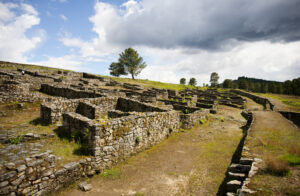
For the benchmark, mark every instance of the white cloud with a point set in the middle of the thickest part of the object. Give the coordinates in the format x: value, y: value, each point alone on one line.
x: 14, y: 43
x: 181, y: 41
x: 66, y: 62
x: 63, y: 17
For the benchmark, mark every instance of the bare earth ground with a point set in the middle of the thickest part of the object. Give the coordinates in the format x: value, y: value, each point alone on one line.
x: 272, y: 135
x: 192, y: 162
x: 252, y: 105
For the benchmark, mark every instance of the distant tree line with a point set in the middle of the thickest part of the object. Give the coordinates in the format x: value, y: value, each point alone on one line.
x: 289, y: 87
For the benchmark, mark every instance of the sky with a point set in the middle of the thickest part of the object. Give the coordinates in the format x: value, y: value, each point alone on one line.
x: 190, y: 38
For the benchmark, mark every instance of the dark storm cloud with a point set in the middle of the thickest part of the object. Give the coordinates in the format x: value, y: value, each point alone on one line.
x: 206, y: 24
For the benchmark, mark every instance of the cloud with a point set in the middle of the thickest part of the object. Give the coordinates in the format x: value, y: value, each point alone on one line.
x: 70, y: 62
x: 15, y: 21
x: 63, y: 17
x: 202, y: 24
x: 194, y: 38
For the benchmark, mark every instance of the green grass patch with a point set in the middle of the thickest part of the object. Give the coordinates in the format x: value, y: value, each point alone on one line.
x: 113, y: 173
x: 293, y: 101
x: 291, y: 159
x: 154, y: 84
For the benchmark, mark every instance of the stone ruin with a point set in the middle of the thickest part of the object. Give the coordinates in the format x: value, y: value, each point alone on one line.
x: 117, y: 120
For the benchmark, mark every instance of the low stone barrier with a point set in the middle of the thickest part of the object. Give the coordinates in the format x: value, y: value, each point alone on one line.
x: 240, y: 172
x: 51, y: 112
x: 265, y: 102
x: 68, y: 92
x: 187, y: 121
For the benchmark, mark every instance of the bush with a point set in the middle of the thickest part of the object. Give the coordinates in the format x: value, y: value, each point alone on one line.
x: 277, y: 166
x: 16, y: 140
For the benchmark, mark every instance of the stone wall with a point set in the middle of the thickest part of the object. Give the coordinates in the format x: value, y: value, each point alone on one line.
x: 265, y: 102
x: 116, y: 139
x: 240, y: 171
x: 68, y: 92
x: 51, y: 112
x: 190, y: 120
x: 39, y: 174
x: 126, y: 105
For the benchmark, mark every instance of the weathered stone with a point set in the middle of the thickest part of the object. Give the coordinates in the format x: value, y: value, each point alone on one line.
x: 60, y: 172
x: 18, y: 181
x: 51, y: 158
x: 34, y: 163
x: 47, y: 172
x: 10, y: 166
x: 21, y: 168
x: 71, y: 166
x: 8, y: 175
x: 84, y: 186
x: 233, y: 185
x: 3, y: 184
x: 29, y: 170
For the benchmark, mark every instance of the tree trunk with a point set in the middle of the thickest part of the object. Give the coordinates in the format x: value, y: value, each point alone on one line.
x: 132, y: 76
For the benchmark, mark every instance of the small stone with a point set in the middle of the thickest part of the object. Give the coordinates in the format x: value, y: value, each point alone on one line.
x: 29, y: 170
x: 3, y: 184
x: 21, y: 168
x: 84, y: 186
x: 233, y: 185
x: 7, y: 175
x: 10, y: 166
x: 29, y: 135
x: 71, y: 166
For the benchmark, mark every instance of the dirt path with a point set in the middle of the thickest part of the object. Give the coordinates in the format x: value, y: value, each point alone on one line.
x: 193, y: 162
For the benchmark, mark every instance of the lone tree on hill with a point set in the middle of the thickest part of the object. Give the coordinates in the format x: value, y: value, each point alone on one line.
x: 193, y: 82
x: 214, y: 77
x: 182, y: 81
x: 129, y: 63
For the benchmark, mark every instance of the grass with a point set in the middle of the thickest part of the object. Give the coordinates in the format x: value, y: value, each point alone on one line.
x: 28, y: 120
x: 276, y: 166
x: 154, y: 84
x: 291, y: 159
x: 15, y: 66
x: 274, y: 140
x: 113, y: 173
x: 292, y: 101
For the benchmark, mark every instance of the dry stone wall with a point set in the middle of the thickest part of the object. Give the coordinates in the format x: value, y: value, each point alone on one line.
x: 68, y: 92
x: 265, y: 102
x: 190, y: 120
x: 117, y: 139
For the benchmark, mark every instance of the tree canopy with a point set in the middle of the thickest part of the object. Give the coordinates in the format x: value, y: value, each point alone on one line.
x: 182, y: 81
x: 214, y: 77
x: 193, y: 82
x: 129, y: 63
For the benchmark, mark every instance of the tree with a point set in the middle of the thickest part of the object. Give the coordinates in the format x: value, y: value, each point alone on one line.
x: 182, y: 81
x: 243, y: 84
x: 214, y: 77
x: 228, y: 83
x: 193, y: 82
x: 129, y: 63
x: 257, y: 87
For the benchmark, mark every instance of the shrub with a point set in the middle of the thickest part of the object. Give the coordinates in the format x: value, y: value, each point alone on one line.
x: 202, y: 121
x: 138, y: 139
x: 277, y: 166
x: 16, y: 140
